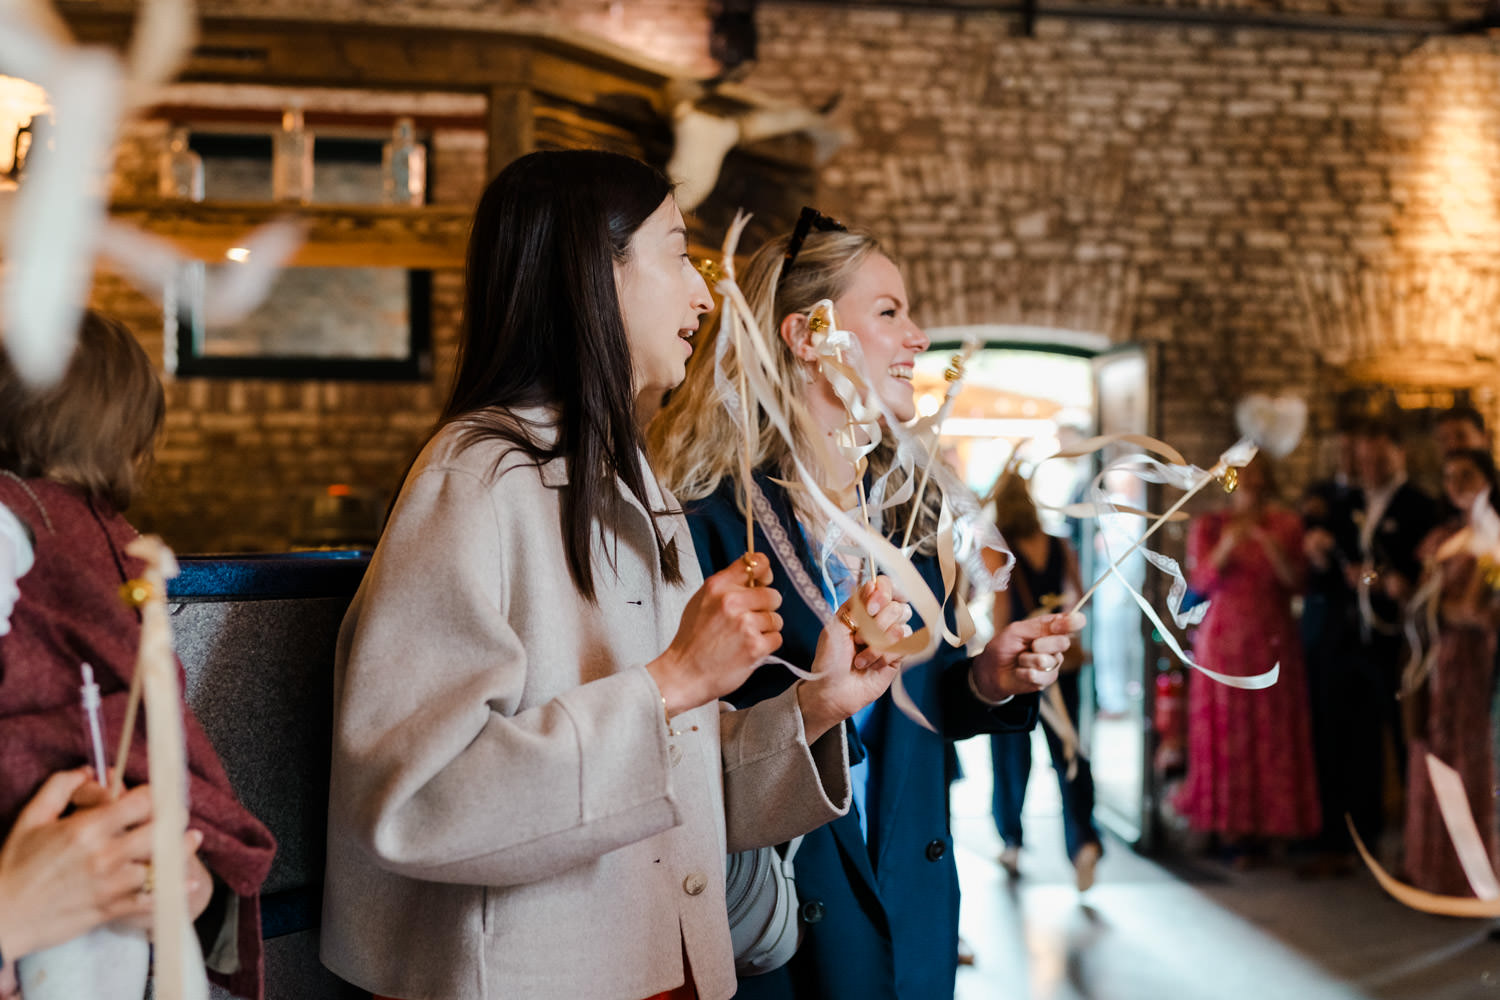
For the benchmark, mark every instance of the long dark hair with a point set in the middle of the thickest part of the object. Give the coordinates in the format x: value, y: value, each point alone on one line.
x: 1484, y: 464
x: 542, y: 327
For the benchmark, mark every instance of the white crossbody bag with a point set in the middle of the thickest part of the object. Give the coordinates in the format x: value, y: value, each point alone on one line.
x: 761, y: 896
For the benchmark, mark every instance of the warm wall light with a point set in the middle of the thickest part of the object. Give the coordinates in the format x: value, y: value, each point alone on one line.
x: 20, y: 102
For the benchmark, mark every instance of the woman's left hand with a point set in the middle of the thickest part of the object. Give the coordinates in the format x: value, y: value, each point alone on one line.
x: 1025, y: 656
x: 850, y: 674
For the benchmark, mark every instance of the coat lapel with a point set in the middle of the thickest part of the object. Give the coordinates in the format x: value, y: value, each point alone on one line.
x: 846, y: 829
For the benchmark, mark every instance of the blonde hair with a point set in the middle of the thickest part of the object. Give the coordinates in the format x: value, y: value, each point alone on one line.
x: 694, y: 442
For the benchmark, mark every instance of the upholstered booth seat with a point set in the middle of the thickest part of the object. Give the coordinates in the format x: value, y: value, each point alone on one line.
x: 256, y: 636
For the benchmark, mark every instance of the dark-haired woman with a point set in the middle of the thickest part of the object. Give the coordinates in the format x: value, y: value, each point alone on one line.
x: 533, y: 787
x: 1456, y: 726
x: 69, y: 458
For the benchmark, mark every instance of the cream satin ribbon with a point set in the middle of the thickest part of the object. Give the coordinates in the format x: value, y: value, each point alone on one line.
x: 177, y: 961
x: 1473, y: 856
x: 58, y: 221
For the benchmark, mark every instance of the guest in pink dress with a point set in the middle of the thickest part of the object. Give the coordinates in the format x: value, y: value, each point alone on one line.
x: 1455, y: 726
x: 1250, y: 765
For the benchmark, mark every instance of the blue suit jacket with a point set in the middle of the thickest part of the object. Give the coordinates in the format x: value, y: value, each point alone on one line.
x: 879, y: 921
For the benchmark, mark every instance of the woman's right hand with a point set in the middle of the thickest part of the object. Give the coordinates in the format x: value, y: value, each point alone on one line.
x: 727, y: 628
x: 61, y: 877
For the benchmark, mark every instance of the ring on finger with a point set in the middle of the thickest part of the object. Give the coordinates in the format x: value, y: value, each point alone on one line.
x: 749, y: 560
x: 848, y: 620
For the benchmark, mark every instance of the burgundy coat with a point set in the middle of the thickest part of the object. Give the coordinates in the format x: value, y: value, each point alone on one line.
x: 70, y: 612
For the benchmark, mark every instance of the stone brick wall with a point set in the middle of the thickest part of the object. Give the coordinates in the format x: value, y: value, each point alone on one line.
x: 670, y: 31
x: 1275, y: 209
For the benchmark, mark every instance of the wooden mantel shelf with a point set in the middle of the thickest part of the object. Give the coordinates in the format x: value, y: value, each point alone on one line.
x: 337, y: 235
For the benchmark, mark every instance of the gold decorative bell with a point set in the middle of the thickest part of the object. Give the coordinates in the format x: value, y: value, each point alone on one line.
x: 955, y: 370
x: 137, y: 592
x: 710, y: 269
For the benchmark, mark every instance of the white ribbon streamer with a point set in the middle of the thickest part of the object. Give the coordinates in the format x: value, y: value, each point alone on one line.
x: 1192, y: 479
x: 1473, y: 855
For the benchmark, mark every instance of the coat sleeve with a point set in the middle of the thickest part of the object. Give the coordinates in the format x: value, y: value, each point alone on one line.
x: 438, y: 774
x: 776, y: 786
x: 964, y: 715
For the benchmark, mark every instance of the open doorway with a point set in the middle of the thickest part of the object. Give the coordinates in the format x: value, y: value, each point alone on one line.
x: 1027, y: 393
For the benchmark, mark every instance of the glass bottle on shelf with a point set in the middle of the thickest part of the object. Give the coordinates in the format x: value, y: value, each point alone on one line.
x: 179, y: 170
x: 403, y: 167
x: 292, y: 159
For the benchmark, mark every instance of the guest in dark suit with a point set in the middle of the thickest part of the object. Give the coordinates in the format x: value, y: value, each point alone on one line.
x: 879, y: 887
x: 1393, y: 521
x: 1345, y: 697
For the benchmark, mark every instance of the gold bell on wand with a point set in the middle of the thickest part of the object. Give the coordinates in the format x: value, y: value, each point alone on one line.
x: 136, y: 593
x: 1229, y: 479
x: 710, y: 269
x: 955, y: 370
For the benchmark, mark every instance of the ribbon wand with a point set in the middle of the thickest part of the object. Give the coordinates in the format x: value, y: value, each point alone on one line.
x: 954, y: 375
x: 712, y: 273
x: 1224, y: 471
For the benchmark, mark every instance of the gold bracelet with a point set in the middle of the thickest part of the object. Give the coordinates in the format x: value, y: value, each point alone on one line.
x: 668, y: 717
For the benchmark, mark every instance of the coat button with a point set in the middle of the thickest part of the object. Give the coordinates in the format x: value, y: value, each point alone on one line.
x: 936, y: 849
x: 694, y: 884
x: 674, y: 754
x: 812, y: 911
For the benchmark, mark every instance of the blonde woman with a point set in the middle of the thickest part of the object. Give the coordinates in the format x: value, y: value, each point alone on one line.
x: 879, y: 887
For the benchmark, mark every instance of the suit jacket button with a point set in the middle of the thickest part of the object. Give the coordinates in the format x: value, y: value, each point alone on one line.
x: 935, y: 850
x: 694, y: 884
x: 812, y: 911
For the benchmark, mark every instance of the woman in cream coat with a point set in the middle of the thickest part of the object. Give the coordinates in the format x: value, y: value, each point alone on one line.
x: 533, y: 785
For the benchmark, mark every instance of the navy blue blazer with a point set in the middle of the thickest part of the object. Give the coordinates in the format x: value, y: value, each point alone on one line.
x: 879, y: 921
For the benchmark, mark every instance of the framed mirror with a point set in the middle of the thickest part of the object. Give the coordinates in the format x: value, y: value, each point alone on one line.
x: 327, y: 322
x: 317, y: 322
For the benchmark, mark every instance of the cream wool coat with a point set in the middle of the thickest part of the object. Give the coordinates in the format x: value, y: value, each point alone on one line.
x: 508, y: 814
